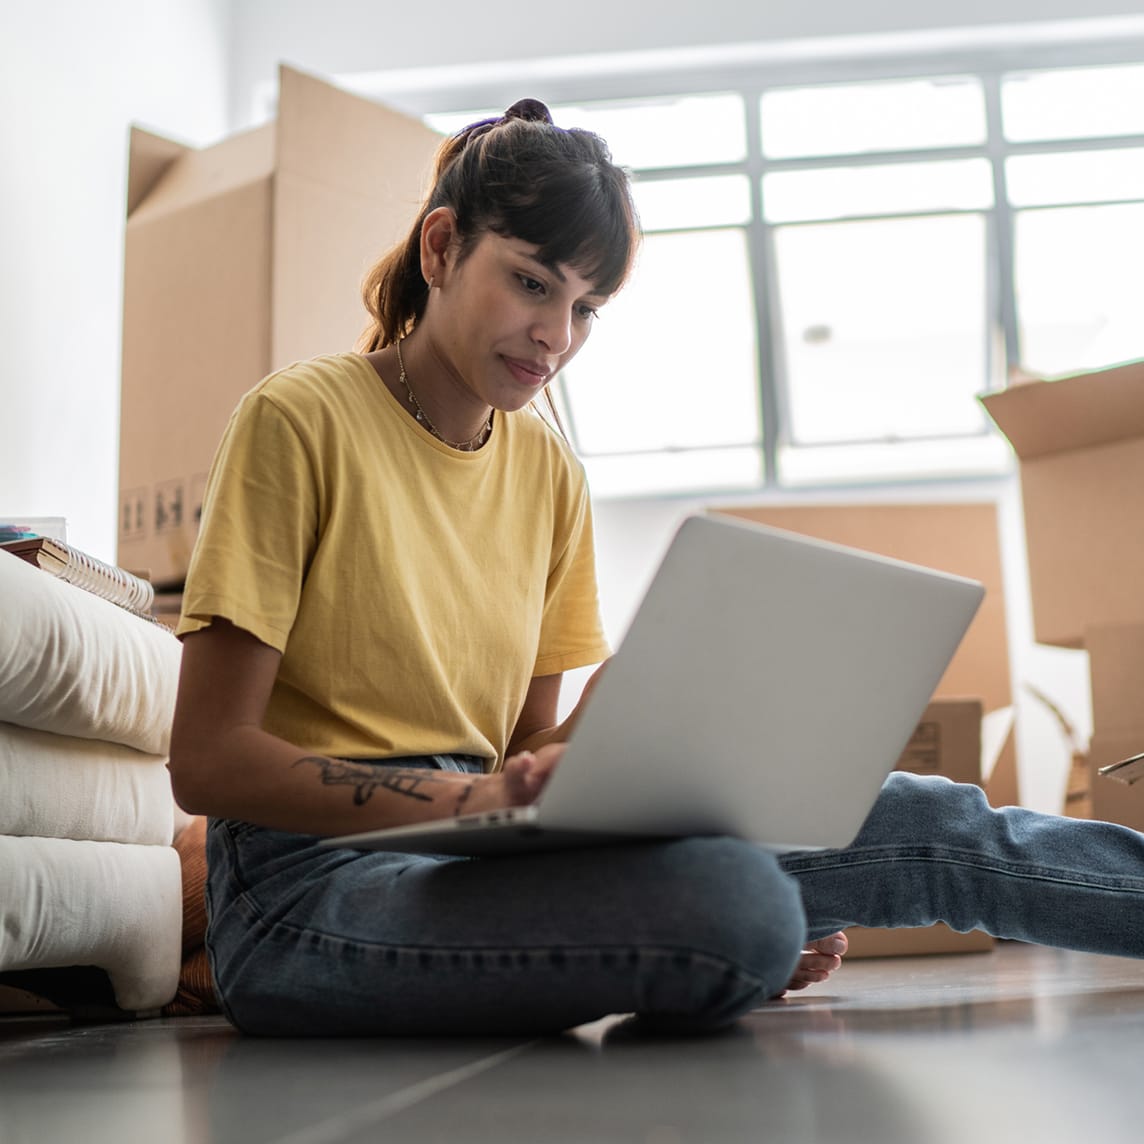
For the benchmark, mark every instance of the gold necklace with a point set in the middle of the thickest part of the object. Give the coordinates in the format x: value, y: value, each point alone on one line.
x: 469, y: 446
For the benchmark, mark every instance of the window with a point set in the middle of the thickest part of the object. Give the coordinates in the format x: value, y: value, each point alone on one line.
x: 833, y: 271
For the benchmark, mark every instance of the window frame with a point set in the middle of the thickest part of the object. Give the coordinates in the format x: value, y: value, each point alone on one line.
x: 988, y: 62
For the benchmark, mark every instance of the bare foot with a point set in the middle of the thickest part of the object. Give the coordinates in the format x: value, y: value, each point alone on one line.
x: 819, y: 960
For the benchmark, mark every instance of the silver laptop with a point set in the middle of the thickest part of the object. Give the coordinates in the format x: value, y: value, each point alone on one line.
x: 765, y: 688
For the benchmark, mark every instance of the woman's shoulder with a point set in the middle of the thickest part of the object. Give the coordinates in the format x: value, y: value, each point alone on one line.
x: 313, y: 382
x: 546, y: 448
x: 311, y: 394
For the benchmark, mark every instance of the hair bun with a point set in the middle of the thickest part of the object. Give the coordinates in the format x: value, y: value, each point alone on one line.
x: 530, y: 110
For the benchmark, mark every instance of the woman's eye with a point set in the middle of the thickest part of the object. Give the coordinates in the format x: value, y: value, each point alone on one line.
x: 532, y: 285
x: 587, y: 313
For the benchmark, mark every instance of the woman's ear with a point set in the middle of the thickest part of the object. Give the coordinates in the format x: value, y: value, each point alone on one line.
x: 438, y: 239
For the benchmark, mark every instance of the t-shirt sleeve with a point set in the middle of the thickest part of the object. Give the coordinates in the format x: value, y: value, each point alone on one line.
x: 259, y: 526
x: 572, y: 632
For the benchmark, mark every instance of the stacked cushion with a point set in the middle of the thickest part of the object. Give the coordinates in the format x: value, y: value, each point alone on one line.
x: 88, y: 874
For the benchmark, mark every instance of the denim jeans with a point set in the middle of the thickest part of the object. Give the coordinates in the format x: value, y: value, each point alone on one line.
x: 689, y: 934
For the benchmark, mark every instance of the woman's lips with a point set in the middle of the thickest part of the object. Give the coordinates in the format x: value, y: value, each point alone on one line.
x: 532, y: 374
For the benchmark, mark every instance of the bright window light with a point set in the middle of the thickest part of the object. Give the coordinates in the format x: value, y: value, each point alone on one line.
x: 883, y: 328
x: 674, y: 204
x: 875, y: 267
x: 1076, y: 177
x: 1080, y: 289
x: 892, y: 188
x: 1073, y: 103
x: 671, y: 362
x: 682, y: 131
x: 849, y: 119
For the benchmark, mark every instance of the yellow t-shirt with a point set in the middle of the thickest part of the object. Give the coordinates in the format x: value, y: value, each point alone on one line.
x: 413, y: 590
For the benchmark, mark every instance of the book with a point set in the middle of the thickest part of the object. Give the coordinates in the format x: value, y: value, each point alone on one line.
x: 74, y: 566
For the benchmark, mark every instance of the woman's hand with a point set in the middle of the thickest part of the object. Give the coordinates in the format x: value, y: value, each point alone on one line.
x: 527, y: 773
x: 518, y: 783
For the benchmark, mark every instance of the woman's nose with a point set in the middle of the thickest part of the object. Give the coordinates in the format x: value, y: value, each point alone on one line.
x: 554, y: 331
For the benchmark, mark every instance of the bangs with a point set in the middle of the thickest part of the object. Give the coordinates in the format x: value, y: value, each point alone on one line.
x: 596, y: 235
x: 582, y: 216
x: 555, y: 189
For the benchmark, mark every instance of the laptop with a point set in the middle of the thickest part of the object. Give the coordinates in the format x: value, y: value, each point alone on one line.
x: 766, y: 686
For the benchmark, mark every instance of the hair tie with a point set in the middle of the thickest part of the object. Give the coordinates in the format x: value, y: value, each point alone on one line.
x: 530, y: 110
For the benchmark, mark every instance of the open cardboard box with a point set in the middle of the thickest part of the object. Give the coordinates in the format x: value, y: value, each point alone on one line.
x: 1116, y: 674
x: 962, y: 538
x: 1080, y: 442
x: 1114, y: 801
x: 241, y: 258
x: 956, y: 740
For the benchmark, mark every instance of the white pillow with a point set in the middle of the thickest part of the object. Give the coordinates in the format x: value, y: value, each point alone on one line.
x: 58, y: 786
x: 77, y: 665
x: 108, y: 904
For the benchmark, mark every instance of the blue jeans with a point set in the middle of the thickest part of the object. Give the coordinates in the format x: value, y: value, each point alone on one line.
x: 689, y: 934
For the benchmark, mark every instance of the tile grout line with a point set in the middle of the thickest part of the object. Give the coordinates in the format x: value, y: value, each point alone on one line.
x: 335, y: 1130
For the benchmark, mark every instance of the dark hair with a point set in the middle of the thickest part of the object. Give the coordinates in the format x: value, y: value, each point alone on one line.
x: 522, y: 177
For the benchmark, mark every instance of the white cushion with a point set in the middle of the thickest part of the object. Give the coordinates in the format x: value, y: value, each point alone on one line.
x: 107, y: 904
x: 58, y: 786
x: 77, y: 665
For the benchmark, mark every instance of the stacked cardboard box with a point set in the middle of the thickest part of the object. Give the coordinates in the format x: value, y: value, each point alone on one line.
x: 1080, y: 443
x: 965, y: 733
x: 241, y: 258
x: 1116, y: 663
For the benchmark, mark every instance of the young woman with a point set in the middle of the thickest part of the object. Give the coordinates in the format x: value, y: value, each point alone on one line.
x: 395, y: 568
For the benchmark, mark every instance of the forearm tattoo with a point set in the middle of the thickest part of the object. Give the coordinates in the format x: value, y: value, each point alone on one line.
x: 463, y: 798
x: 365, y: 778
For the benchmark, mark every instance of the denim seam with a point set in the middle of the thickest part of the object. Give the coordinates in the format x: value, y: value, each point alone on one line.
x: 967, y: 858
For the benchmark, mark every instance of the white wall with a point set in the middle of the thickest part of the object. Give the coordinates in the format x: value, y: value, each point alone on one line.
x: 73, y: 75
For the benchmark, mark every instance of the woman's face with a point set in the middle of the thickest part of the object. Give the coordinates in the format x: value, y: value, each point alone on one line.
x: 505, y: 323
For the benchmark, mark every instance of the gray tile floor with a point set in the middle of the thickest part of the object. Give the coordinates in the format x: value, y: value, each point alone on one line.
x: 1023, y: 1044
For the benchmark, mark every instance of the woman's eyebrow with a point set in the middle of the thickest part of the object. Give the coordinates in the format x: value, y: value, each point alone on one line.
x: 553, y: 268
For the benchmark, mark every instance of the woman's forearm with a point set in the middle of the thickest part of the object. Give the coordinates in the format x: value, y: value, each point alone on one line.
x: 249, y: 774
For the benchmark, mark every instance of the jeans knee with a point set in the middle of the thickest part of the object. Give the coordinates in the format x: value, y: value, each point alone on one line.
x: 924, y: 809
x: 742, y: 919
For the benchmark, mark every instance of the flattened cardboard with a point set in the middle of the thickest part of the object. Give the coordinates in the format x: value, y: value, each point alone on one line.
x: 916, y: 942
x: 1116, y: 676
x: 1080, y: 442
x: 241, y: 258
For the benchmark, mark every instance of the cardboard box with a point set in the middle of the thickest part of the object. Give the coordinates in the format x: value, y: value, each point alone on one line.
x: 167, y: 608
x: 1116, y: 676
x: 1080, y: 442
x: 947, y: 741
x: 916, y: 942
x: 956, y: 739
x: 953, y: 739
x: 241, y: 258
x: 1114, y: 801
